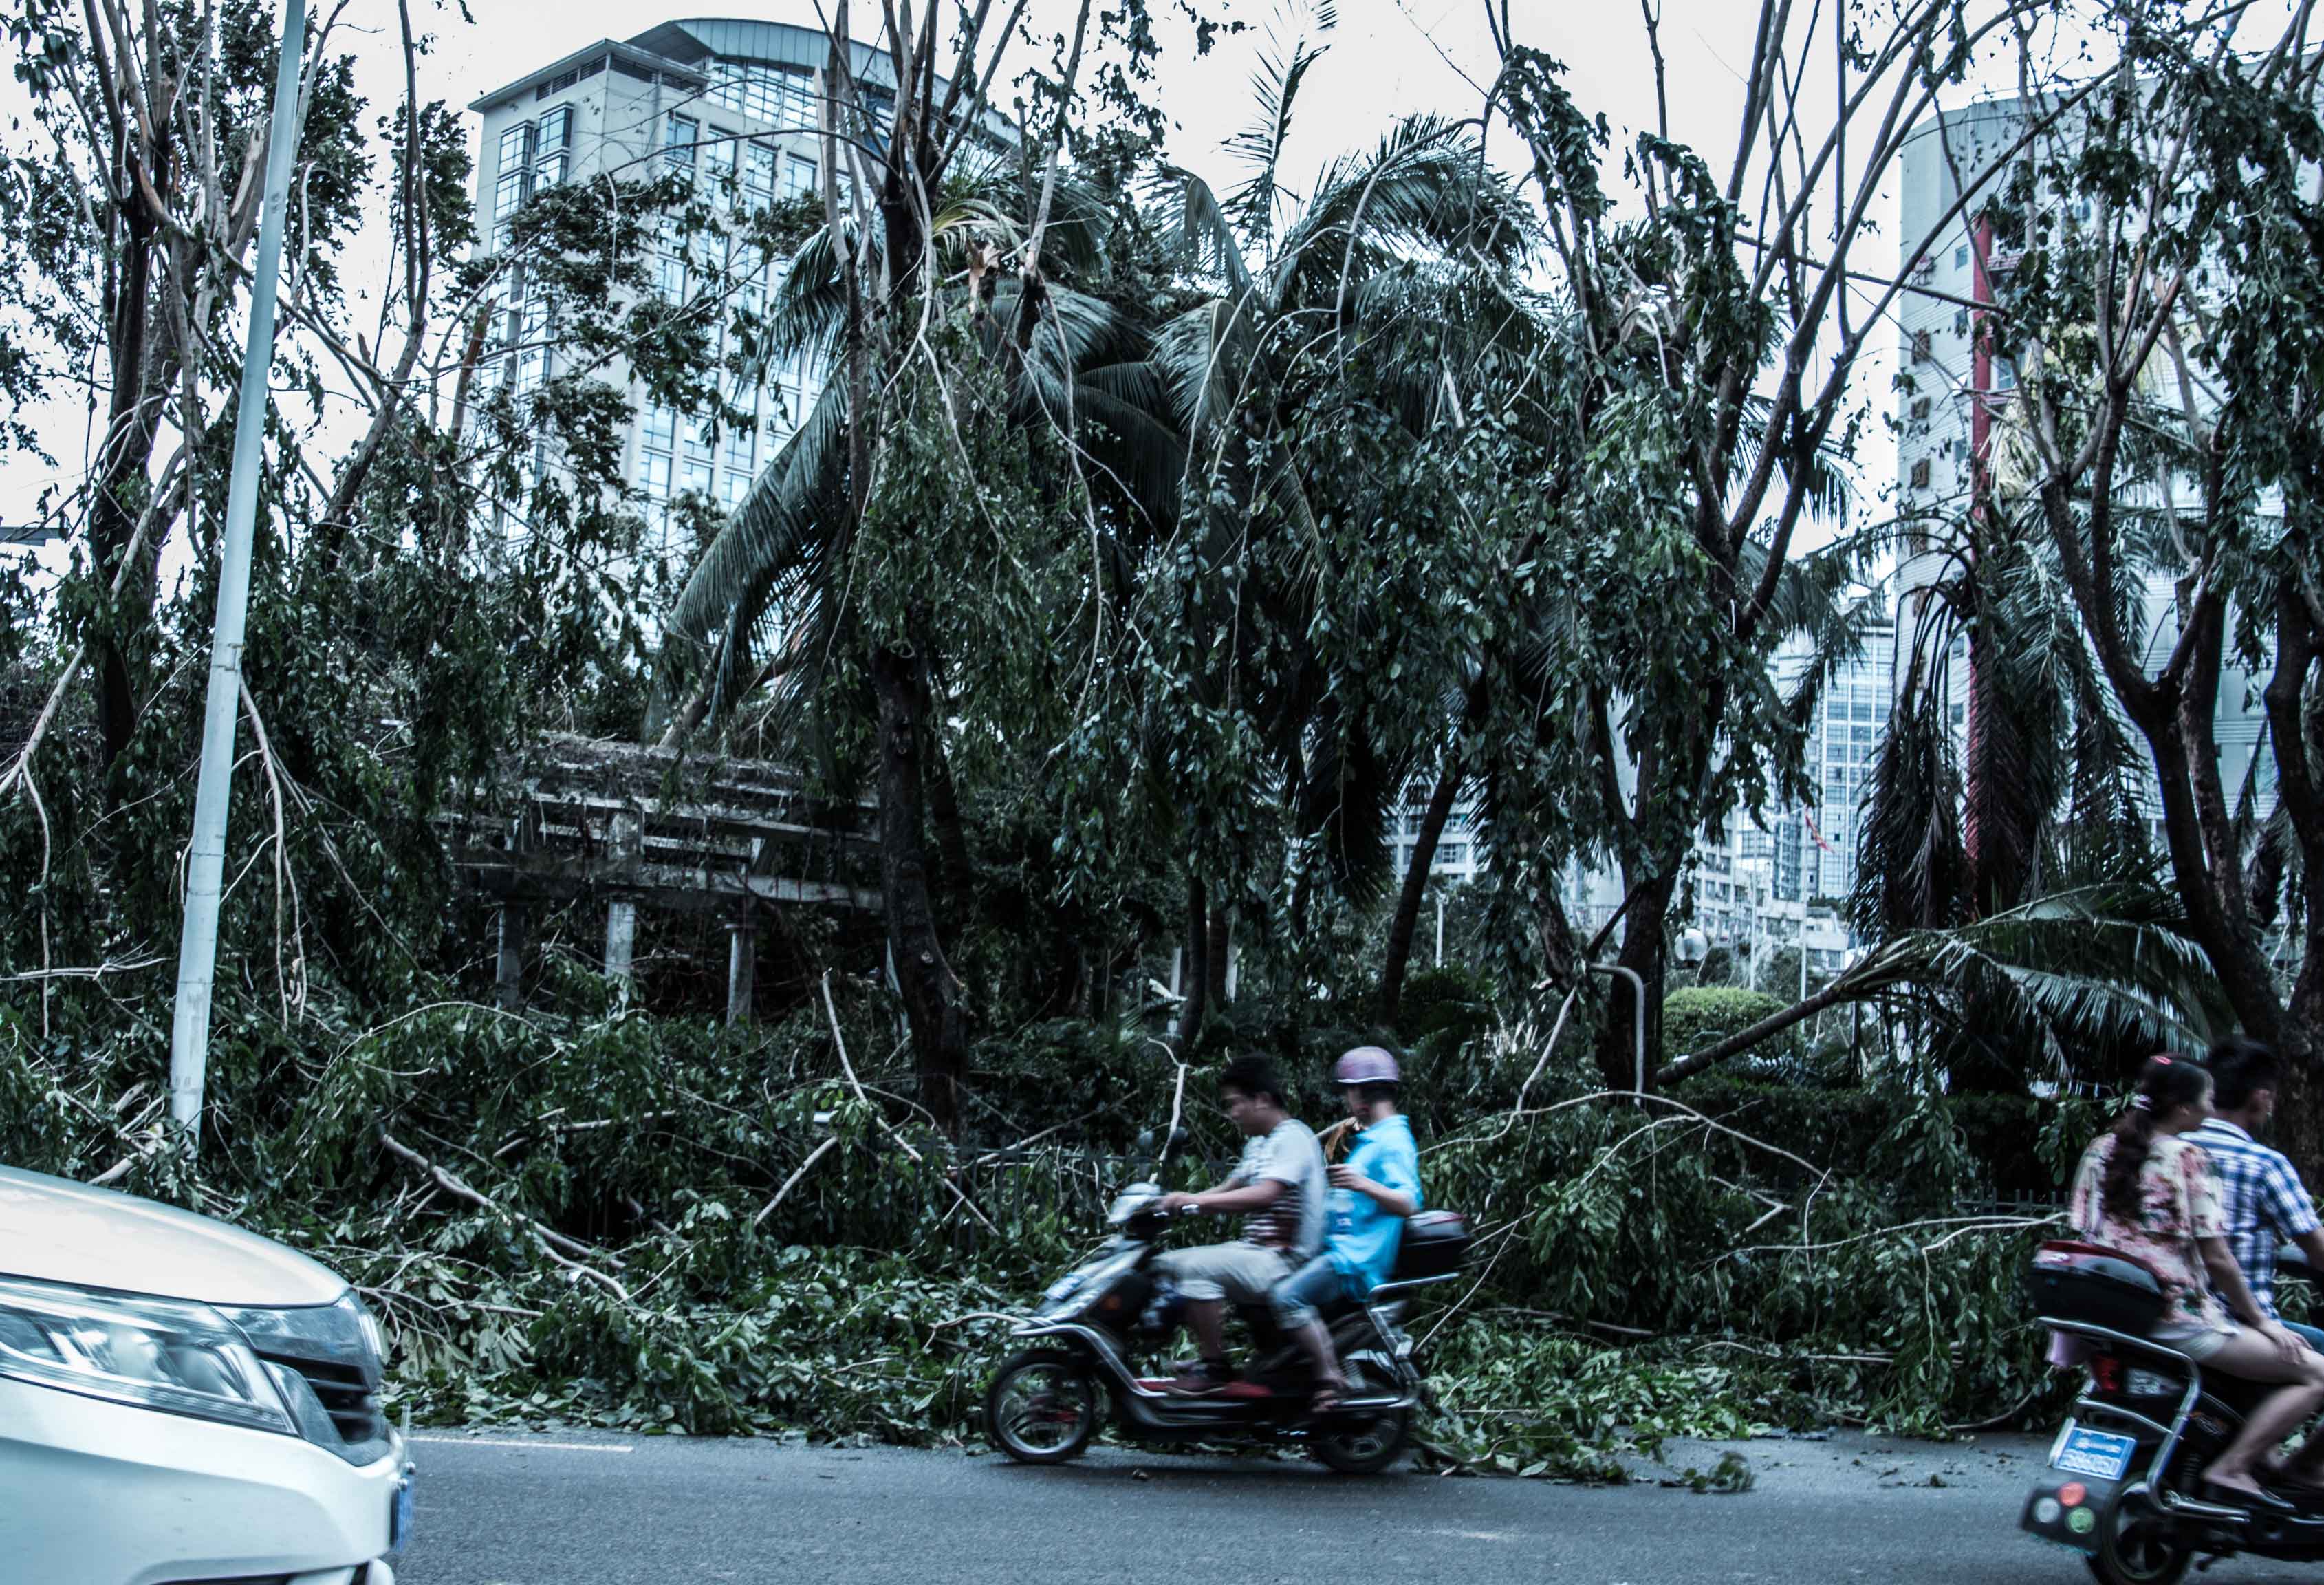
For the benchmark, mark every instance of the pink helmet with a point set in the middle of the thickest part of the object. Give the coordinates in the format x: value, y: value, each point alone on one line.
x: 1365, y: 1065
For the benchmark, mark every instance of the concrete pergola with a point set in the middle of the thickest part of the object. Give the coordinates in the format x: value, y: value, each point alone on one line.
x: 638, y: 827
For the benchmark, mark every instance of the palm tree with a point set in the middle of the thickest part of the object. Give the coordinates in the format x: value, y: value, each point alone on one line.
x: 1367, y: 305
x: 2035, y: 987
x: 924, y: 360
x: 2036, y: 794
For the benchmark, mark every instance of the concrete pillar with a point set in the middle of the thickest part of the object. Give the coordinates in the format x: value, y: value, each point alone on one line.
x: 741, y: 968
x: 620, y: 940
x: 508, y: 972
x: 628, y: 833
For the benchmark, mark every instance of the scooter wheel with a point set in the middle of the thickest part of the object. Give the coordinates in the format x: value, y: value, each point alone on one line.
x: 1042, y: 1407
x: 2136, y: 1545
x: 1364, y: 1447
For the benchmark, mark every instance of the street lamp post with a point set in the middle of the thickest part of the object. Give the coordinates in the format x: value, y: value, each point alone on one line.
x: 189, y: 1032
x: 1692, y: 947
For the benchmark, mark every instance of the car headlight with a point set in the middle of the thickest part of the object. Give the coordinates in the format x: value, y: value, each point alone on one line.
x: 153, y: 1353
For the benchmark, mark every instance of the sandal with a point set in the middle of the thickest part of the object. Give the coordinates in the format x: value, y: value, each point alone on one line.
x: 2258, y: 1497
x: 1327, y: 1397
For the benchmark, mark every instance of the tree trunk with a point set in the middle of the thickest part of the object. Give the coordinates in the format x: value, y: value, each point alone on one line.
x: 1415, y: 887
x: 2298, y: 1130
x: 932, y: 1001
x: 1220, y: 944
x: 1743, y: 1040
x: 1197, y: 988
x: 956, y: 878
x: 126, y: 458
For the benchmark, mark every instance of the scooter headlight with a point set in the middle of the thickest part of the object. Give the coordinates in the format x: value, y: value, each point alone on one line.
x: 159, y: 1354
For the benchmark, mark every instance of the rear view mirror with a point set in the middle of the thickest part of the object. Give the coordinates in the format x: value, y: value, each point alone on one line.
x: 1175, y: 1143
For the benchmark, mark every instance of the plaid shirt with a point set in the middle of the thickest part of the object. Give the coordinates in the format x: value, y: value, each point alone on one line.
x: 2264, y: 1202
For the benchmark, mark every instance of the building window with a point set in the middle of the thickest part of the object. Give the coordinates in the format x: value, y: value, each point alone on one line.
x: 1921, y: 473
x: 556, y: 133
x: 799, y: 177
x: 758, y: 176
x: 695, y: 470
x: 781, y: 95
x: 1923, y: 348
x: 669, y: 260
x: 680, y: 134
x: 512, y: 185
x: 722, y: 164
x: 1960, y: 258
x: 551, y: 147
x: 1961, y: 322
x: 1920, y: 410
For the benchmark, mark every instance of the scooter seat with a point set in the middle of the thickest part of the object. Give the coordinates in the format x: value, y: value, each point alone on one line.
x: 1246, y: 1389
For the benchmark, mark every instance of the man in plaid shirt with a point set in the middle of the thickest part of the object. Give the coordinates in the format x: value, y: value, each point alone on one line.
x: 2265, y: 1203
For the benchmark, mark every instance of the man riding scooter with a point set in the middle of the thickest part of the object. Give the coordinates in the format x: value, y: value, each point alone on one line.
x: 2263, y: 1205
x: 1372, y: 1191
x: 1279, y: 1189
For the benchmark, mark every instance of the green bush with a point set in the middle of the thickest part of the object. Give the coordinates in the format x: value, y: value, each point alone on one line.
x: 1693, y: 1016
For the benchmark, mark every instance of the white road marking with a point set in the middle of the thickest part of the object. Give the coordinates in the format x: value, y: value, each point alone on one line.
x: 511, y: 1442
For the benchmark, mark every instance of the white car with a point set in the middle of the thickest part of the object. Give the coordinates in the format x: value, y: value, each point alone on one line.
x: 183, y: 1403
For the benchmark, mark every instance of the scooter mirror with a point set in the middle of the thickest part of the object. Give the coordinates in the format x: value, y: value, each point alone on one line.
x: 1145, y: 1140
x: 1176, y: 1142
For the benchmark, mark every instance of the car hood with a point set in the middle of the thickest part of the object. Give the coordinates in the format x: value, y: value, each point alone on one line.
x: 53, y: 1230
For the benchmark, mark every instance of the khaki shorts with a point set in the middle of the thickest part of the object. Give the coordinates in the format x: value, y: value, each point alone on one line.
x: 1245, y: 1273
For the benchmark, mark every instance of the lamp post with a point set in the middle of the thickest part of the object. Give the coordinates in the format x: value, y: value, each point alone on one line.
x: 1855, y: 1019
x: 1691, y: 949
x: 189, y: 1032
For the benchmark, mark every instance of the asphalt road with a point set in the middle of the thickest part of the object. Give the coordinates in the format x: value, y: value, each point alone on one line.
x: 570, y: 1507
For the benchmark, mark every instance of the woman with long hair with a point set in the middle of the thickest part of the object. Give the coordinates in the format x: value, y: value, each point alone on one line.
x: 2148, y: 1192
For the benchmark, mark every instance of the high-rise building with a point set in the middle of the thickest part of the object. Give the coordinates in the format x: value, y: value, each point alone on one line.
x: 1955, y: 413
x: 736, y: 107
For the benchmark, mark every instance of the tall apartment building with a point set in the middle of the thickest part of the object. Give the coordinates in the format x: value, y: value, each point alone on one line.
x: 734, y: 105
x: 1955, y: 406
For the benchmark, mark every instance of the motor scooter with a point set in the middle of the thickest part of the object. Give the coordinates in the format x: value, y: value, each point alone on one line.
x: 1046, y: 1400
x: 2123, y: 1481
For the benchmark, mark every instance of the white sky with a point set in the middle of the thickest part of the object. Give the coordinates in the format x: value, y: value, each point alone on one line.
x: 1386, y: 58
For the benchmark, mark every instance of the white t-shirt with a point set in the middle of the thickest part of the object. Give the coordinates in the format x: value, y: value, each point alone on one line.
x: 1288, y: 1155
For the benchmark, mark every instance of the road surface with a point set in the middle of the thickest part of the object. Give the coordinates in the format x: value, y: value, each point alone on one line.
x: 555, y: 1509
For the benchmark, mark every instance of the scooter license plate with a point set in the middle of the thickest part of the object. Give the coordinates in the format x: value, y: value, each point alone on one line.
x: 2095, y: 1455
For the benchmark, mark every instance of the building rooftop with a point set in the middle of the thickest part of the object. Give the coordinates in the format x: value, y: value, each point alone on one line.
x: 680, y: 50
x: 627, y: 53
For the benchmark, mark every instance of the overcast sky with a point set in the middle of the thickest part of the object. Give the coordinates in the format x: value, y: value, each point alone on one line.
x: 1385, y: 58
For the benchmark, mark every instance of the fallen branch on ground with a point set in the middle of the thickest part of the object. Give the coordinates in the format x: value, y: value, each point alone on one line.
x: 566, y: 1252
x: 791, y: 1182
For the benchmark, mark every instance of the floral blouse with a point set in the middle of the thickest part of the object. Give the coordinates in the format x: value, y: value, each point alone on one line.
x: 2179, y: 1202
